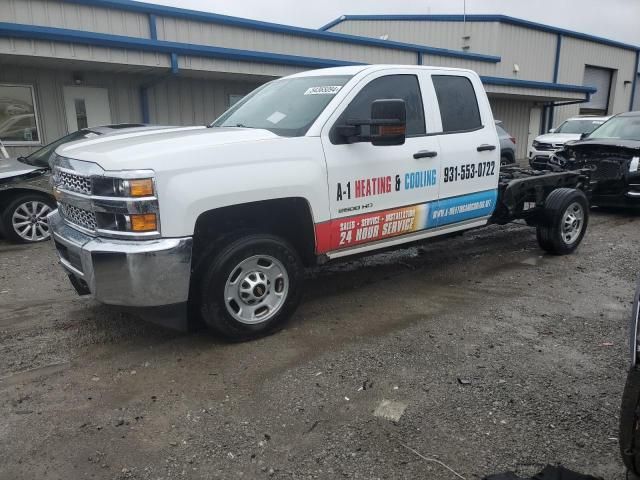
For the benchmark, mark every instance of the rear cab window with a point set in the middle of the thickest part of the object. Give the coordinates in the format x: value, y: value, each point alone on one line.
x: 459, y: 111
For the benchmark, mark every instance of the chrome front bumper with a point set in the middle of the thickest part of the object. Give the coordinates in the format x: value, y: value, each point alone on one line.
x: 142, y: 273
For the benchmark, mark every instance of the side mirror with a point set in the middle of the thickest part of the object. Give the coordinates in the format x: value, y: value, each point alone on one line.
x: 552, y: 130
x: 387, y: 125
x: 388, y: 122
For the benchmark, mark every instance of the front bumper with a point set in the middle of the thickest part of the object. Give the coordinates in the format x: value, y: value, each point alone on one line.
x: 140, y: 273
x: 539, y: 159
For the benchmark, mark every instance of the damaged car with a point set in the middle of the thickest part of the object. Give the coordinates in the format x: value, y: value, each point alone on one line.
x: 612, y: 153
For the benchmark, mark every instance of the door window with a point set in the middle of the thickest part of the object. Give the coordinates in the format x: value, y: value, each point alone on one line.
x: 405, y: 87
x: 459, y: 110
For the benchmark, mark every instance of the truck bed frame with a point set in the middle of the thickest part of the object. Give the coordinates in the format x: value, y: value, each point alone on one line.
x: 522, y: 192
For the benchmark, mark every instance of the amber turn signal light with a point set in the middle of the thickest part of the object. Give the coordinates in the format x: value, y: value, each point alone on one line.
x: 141, y: 187
x: 145, y: 222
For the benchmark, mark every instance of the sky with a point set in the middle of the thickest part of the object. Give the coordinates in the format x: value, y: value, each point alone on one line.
x: 614, y: 19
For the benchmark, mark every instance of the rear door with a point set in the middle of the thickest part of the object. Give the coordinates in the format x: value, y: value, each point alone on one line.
x: 377, y: 193
x: 469, y: 149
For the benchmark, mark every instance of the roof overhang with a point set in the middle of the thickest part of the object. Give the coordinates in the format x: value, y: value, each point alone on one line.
x: 536, y: 91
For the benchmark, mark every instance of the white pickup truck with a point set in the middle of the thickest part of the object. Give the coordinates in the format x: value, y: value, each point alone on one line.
x: 217, y: 223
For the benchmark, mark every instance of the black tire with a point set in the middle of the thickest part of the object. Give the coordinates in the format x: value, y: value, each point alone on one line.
x: 551, y: 237
x: 6, y: 216
x: 216, y: 311
x: 629, y: 433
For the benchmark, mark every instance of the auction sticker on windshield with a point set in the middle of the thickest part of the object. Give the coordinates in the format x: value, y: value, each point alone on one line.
x: 328, y: 90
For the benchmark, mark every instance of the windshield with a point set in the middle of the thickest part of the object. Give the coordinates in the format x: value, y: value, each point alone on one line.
x: 285, y: 107
x: 40, y: 158
x: 624, y: 128
x: 579, y: 126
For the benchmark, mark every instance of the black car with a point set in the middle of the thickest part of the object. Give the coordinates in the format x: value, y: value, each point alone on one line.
x: 612, y: 153
x: 25, y: 194
x: 630, y: 410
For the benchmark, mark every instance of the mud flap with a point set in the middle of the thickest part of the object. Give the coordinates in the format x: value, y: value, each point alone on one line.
x: 80, y: 285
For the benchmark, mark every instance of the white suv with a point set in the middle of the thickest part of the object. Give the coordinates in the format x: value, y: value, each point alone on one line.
x: 571, y: 129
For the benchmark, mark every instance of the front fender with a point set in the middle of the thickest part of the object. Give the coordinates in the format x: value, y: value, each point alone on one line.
x: 240, y: 174
x: 37, y: 180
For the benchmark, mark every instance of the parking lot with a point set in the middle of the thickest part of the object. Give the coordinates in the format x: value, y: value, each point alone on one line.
x: 504, y: 359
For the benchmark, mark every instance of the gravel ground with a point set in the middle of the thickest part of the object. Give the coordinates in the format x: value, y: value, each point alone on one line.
x: 481, y: 352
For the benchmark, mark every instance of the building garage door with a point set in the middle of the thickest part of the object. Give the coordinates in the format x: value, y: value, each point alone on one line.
x: 601, y: 79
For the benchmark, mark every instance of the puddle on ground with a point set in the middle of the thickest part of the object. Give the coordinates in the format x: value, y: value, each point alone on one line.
x: 533, y: 261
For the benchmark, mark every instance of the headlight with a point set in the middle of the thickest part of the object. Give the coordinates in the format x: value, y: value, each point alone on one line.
x: 535, y: 144
x: 122, y: 187
x: 107, y: 203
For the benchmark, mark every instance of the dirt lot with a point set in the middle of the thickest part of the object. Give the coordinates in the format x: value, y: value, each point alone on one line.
x: 504, y: 359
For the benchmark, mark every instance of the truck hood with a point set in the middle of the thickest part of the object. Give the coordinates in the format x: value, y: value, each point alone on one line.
x: 12, y: 168
x: 557, y: 138
x: 152, y: 149
x: 610, y: 144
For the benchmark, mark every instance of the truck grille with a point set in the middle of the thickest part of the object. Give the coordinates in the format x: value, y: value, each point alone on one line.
x: 78, y: 216
x: 544, y: 147
x: 75, y: 183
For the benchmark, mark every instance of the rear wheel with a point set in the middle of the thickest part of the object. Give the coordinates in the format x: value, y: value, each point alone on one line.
x: 24, y: 220
x: 250, y: 287
x: 566, y: 214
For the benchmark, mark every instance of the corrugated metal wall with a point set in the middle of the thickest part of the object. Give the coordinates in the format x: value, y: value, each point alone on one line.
x: 515, y: 119
x: 189, y: 101
x: 172, y: 101
x: 435, y: 34
x: 56, y: 13
x: 200, y: 33
x: 636, y: 99
x: 124, y: 100
x: 575, y: 54
x: 532, y: 50
x: 87, y: 53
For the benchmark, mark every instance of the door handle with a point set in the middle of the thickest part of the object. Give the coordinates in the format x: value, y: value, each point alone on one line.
x: 425, y: 154
x: 486, y: 148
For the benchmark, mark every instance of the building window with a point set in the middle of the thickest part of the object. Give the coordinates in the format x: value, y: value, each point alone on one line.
x: 18, y: 116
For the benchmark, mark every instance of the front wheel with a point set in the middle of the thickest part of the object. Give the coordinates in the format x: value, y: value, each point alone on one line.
x: 251, y: 287
x: 566, y: 216
x: 24, y: 220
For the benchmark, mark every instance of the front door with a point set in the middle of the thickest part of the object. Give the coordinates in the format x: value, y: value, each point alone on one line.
x: 379, y: 192
x: 86, y: 107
